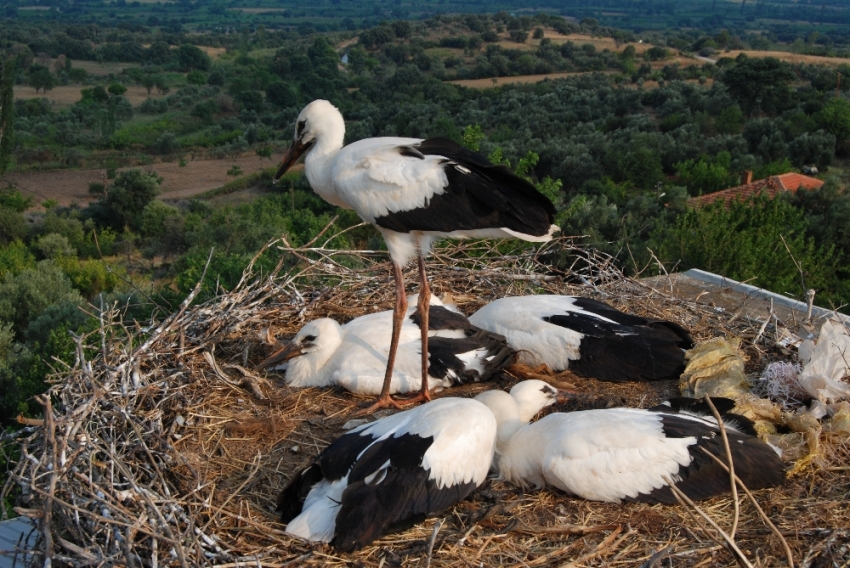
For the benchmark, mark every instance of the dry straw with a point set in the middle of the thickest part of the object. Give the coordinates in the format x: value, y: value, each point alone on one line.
x: 162, y: 447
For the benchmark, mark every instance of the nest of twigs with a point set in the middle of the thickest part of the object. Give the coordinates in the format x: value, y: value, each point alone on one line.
x: 163, y: 447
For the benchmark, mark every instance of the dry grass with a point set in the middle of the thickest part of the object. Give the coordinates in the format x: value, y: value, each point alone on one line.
x: 790, y: 57
x: 161, y: 447
x: 64, y: 96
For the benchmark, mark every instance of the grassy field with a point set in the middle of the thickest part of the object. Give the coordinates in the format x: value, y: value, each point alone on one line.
x: 64, y: 96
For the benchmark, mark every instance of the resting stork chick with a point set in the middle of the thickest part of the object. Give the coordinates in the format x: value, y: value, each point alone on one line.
x: 588, y: 337
x: 625, y: 454
x: 414, y: 191
x: 354, y: 355
x: 391, y: 474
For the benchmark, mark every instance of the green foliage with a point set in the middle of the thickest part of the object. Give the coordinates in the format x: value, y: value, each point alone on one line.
x: 745, y: 242
x: 775, y: 168
x: 15, y: 200
x: 191, y: 57
x: 97, y: 188
x: 40, y: 78
x: 55, y: 246
x: 25, y: 296
x: 234, y: 171
x: 13, y: 226
x: 707, y: 175
x: 196, y: 77
x: 116, y: 89
x: 15, y: 257
x: 89, y: 277
x: 264, y: 152
x: 155, y: 218
x: 128, y: 196
x: 835, y: 118
x: 7, y: 110
x: 760, y: 84
x: 472, y: 137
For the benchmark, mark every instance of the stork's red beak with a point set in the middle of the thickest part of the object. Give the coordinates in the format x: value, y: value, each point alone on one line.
x: 296, y: 149
x: 285, y: 353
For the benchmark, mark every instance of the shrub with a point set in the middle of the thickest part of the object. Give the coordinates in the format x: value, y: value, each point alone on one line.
x: 54, y: 246
x: 25, y: 296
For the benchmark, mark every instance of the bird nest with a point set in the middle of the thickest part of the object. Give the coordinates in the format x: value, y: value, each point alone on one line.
x: 163, y: 447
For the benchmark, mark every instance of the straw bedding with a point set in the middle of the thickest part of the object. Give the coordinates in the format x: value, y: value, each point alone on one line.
x: 163, y: 447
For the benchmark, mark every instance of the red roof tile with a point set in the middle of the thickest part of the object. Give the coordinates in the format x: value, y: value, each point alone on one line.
x: 771, y: 187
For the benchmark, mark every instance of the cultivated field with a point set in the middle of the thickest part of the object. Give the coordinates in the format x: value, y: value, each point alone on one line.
x: 71, y: 186
x: 66, y: 95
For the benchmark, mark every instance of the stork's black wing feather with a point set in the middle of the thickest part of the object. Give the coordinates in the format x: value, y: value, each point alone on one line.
x: 390, y: 490
x: 756, y: 463
x: 480, y: 195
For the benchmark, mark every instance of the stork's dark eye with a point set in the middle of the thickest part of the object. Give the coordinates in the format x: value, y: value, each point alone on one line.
x: 310, y: 338
x: 301, y: 125
x: 549, y: 390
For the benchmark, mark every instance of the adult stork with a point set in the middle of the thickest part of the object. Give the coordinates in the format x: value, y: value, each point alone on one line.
x: 354, y: 355
x: 414, y: 191
x: 390, y: 474
x: 624, y: 454
x: 587, y: 336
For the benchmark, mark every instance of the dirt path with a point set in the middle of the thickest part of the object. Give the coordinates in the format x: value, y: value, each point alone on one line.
x: 71, y: 186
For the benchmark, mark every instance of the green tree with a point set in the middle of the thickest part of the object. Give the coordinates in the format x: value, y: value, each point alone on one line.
x: 117, y: 89
x: 196, y: 77
x: 706, y: 175
x: 191, y: 57
x: 7, y: 110
x: 25, y: 296
x: 41, y: 78
x: 757, y: 83
x: 149, y: 82
x: 15, y: 257
x: 128, y: 196
x: 835, y: 118
x: 78, y: 75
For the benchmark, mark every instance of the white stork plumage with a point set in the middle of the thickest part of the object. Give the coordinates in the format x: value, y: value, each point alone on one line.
x: 587, y: 337
x: 354, y: 355
x: 390, y: 474
x: 414, y: 191
x: 624, y: 454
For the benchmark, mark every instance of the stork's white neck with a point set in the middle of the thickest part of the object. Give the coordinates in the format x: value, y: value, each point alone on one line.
x: 329, y: 132
x: 316, y: 166
x: 505, y: 409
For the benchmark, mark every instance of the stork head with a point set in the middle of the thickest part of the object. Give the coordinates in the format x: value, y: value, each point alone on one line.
x: 309, y: 350
x: 320, y: 123
x: 533, y: 396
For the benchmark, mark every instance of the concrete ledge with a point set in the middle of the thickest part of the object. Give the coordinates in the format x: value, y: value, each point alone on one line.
x: 763, y: 294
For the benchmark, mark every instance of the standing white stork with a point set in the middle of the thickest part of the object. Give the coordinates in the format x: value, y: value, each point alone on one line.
x: 587, y: 336
x: 625, y: 454
x: 391, y: 474
x: 354, y: 355
x: 415, y: 191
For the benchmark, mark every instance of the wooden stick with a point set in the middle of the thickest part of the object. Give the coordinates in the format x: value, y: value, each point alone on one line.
x: 739, y: 556
x: 761, y: 512
x: 730, y: 468
x: 431, y: 540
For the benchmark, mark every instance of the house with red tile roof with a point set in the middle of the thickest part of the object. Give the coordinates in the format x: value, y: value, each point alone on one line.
x: 770, y: 186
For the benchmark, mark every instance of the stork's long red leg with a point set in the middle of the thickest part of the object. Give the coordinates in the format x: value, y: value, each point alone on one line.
x: 424, y: 305
x: 424, y: 311
x: 385, y: 400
